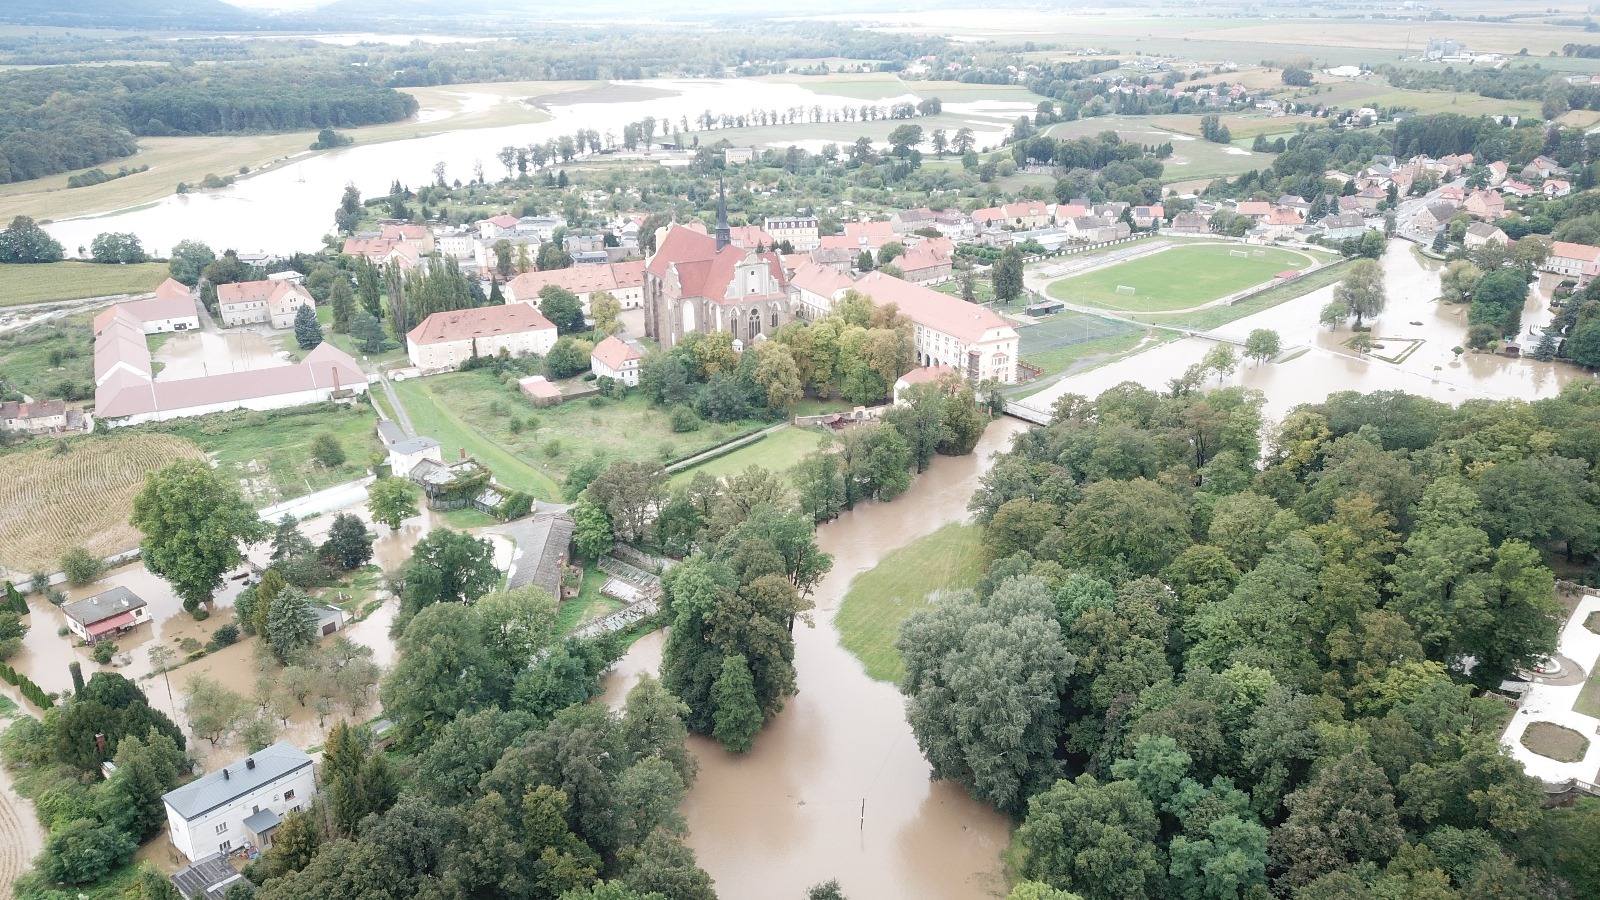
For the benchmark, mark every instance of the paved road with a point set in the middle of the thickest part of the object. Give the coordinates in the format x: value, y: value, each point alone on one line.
x: 401, y: 416
x: 337, y: 497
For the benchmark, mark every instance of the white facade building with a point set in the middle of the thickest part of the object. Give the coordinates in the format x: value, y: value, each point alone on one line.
x: 241, y: 804
x: 800, y: 231
x: 445, y: 340
x: 972, y: 339
x: 617, y: 359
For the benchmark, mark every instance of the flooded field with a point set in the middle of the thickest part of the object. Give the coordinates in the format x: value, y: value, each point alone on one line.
x: 1416, y: 334
x: 836, y: 786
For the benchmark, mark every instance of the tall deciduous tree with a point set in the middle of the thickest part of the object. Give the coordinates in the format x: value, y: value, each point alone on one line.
x: 1361, y: 290
x: 391, y: 501
x: 193, y: 522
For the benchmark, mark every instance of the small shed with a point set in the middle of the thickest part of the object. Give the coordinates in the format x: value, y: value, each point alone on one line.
x: 207, y: 879
x: 539, y: 389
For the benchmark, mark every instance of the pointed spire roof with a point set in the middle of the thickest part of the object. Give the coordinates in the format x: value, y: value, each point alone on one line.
x: 724, y: 233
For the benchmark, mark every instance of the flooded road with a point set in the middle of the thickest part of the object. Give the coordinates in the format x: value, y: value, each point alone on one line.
x: 1415, y: 333
x: 836, y: 786
x: 290, y: 208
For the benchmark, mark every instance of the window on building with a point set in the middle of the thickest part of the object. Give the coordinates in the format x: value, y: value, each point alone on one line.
x: 225, y: 846
x: 288, y: 795
x: 222, y: 828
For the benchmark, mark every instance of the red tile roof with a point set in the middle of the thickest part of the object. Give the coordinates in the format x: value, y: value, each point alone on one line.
x: 702, y: 270
x: 578, y: 279
x: 464, y: 324
x: 325, y: 367
x: 931, y: 309
x: 819, y: 279
x: 614, y: 352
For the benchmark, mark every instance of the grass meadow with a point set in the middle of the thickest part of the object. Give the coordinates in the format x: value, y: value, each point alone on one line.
x: 1178, y: 277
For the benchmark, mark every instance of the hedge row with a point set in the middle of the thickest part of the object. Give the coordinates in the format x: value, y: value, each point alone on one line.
x: 30, y: 691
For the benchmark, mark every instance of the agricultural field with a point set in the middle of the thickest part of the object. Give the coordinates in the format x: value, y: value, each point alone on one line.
x: 53, y: 499
x: 778, y: 452
x: 1178, y: 277
x: 475, y: 412
x: 869, y: 617
x: 23, y: 283
x: 878, y: 86
x: 52, y: 359
x: 1066, y: 338
x: 269, y: 453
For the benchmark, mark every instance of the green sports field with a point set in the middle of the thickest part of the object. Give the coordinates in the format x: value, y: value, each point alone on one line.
x: 1178, y: 278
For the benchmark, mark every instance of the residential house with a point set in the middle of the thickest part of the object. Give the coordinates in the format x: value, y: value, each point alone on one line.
x: 1556, y: 187
x: 106, y: 614
x: 1452, y: 193
x: 699, y: 283
x: 955, y: 224
x: 209, y: 878
x: 1295, y: 202
x: 908, y: 221
x: 540, y: 228
x: 623, y: 280
x: 543, y: 544
x: 252, y: 302
x: 859, y: 236
x: 38, y: 416
x: 445, y: 340
x: 1368, y: 199
x: 1148, y: 216
x: 449, y: 485
x: 1498, y: 170
x: 1095, y: 229
x: 1542, y: 167
x: 1189, y: 223
x: 1580, y: 261
x: 1021, y: 214
x: 1480, y: 233
x: 240, y: 805
x: 1485, y: 205
x: 1433, y: 216
x: 1254, y: 209
x: 495, y: 227
x: 616, y: 359
x: 928, y: 261
x: 460, y: 243
x: 736, y: 156
x: 1517, y: 188
x: 1342, y: 226
x: 800, y: 231
x: 1349, y: 205
x: 814, y: 288
x: 919, y: 375
x: 751, y: 237
x: 949, y: 331
x: 404, y: 455
x: 171, y: 309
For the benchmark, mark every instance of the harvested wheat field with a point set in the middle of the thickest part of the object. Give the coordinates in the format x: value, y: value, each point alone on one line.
x: 51, y: 501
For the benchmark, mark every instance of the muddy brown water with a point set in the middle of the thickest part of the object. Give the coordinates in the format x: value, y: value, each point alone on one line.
x: 197, y: 354
x: 836, y: 786
x: 1417, y: 334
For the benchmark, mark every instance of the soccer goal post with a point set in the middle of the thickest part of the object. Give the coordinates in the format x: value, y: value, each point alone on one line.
x: 1244, y: 254
x: 1127, y: 289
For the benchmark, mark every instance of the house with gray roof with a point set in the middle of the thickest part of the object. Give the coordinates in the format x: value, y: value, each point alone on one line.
x: 240, y: 805
x: 106, y: 614
x: 542, y: 543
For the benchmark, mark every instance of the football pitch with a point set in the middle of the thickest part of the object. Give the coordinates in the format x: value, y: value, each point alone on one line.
x: 1178, y: 277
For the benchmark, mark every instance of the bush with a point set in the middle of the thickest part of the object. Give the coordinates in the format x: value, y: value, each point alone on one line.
x: 684, y: 419
x: 103, y: 652
x: 225, y: 636
x: 81, y: 566
x: 552, y: 448
x: 596, y: 402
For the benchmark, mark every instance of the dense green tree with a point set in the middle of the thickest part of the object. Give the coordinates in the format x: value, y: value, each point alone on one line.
x: 1343, y: 816
x: 188, y: 260
x: 737, y: 716
x: 193, y: 521
x: 1095, y: 839
x: 349, y: 542
x: 444, y: 667
x: 445, y: 567
x: 23, y: 241
x: 562, y: 308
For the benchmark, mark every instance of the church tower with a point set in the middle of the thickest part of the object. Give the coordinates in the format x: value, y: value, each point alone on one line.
x: 723, y: 232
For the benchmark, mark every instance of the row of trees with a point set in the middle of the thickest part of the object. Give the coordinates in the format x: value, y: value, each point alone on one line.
x: 1198, y: 669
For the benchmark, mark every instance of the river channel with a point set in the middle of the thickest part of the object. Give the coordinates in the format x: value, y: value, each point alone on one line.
x: 836, y: 786
x: 290, y: 208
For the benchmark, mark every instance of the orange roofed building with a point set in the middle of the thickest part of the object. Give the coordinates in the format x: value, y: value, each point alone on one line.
x: 445, y: 340
x: 702, y: 283
x: 974, y: 340
x: 250, y: 302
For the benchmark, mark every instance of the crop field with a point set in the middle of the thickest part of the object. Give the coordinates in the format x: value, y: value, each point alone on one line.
x: 1191, y: 157
x: 1178, y: 277
x: 53, y: 501
x: 42, y: 282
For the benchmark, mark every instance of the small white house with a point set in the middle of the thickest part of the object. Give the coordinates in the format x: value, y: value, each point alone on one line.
x: 241, y: 804
x: 405, y: 454
x: 106, y: 614
x: 617, y: 359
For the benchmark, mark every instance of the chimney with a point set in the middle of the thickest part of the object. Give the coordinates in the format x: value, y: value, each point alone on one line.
x: 249, y: 763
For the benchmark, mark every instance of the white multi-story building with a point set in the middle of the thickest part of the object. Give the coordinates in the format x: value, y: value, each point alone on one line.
x: 1580, y: 261
x: 949, y: 331
x: 618, y: 359
x: 800, y: 231
x: 241, y: 804
x: 456, y: 243
x: 445, y: 340
x: 623, y: 280
x: 250, y: 302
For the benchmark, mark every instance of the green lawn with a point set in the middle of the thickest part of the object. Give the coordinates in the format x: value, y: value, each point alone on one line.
x: 46, y: 359
x: 1066, y: 337
x: 270, y: 452
x: 1218, y: 316
x: 982, y: 288
x: 1178, y: 277
x: 589, y: 605
x: 777, y: 452
x: 22, y: 283
x: 475, y: 411
x: 869, y: 618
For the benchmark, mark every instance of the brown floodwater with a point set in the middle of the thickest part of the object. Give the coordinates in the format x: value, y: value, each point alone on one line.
x: 1417, y: 335
x: 196, y: 354
x: 836, y: 786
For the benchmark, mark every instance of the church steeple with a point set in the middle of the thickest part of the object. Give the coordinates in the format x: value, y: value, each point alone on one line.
x: 724, y: 234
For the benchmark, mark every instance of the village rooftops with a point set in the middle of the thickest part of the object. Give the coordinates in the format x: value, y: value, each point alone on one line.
x: 216, y: 789
x: 819, y: 279
x: 124, y: 394
x: 578, y: 279
x: 1568, y: 250
x: 541, y: 541
x: 931, y: 309
x: 143, y: 311
x: 413, y: 445
x: 104, y: 611
x: 483, y: 321
x: 615, y: 353
x: 38, y: 409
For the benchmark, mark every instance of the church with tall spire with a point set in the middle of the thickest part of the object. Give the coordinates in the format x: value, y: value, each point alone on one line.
x: 699, y: 282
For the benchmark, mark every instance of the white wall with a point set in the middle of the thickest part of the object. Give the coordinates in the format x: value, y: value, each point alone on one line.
x: 275, y: 401
x: 451, y: 354
x: 199, y: 837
